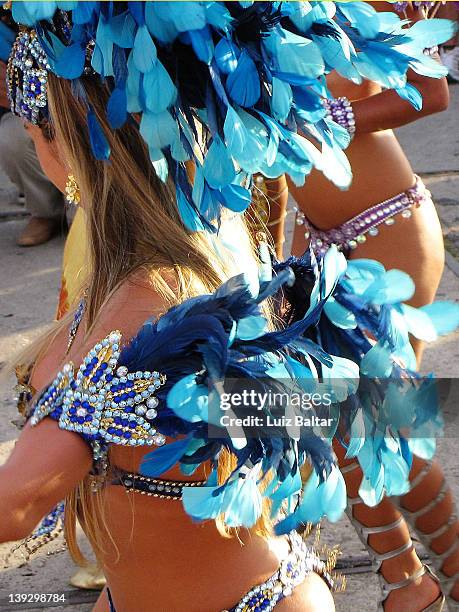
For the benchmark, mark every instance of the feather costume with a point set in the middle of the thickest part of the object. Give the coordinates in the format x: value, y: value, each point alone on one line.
x: 165, y: 389
x: 231, y: 86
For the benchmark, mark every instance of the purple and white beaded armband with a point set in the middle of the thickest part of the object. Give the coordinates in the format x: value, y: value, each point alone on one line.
x: 340, y: 110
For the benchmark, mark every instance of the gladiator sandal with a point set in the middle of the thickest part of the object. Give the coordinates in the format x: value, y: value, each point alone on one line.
x: 438, y: 559
x: 378, y: 558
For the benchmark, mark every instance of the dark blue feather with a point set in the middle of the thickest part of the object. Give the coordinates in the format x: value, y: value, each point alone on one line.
x: 98, y: 140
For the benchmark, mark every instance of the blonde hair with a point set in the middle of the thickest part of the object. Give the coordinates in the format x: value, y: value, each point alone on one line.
x: 133, y: 223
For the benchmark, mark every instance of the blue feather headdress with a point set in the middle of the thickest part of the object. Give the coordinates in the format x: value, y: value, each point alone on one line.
x: 231, y: 86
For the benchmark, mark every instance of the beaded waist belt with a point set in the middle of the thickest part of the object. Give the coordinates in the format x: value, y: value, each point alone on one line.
x: 153, y: 487
x: 354, y: 232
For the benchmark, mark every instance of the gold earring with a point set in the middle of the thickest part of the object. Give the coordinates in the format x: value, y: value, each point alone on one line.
x: 72, y: 191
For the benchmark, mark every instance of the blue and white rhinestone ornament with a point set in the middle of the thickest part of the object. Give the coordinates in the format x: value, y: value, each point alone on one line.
x: 105, y: 401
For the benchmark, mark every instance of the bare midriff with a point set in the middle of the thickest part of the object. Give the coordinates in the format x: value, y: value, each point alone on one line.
x: 155, y: 557
x: 379, y: 166
x: 168, y: 562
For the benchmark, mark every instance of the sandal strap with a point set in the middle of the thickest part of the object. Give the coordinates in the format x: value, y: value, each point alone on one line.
x: 388, y: 587
x: 433, y: 535
x: 412, y: 516
x: 447, y: 584
x: 363, y: 532
x: 391, y: 554
x: 421, y: 475
x: 367, y: 531
x: 447, y: 553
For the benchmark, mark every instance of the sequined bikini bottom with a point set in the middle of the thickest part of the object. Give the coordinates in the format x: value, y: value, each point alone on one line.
x: 350, y: 234
x: 299, y: 563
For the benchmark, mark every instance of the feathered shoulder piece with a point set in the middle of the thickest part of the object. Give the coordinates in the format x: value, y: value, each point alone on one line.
x: 210, y: 375
x: 173, y: 385
x: 395, y: 412
x: 231, y: 86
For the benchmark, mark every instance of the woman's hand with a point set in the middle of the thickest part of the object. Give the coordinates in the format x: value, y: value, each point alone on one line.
x: 46, y: 464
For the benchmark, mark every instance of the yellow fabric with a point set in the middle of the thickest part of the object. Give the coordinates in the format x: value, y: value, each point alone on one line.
x: 74, y: 267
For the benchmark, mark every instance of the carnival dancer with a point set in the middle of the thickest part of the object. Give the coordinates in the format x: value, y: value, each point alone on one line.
x: 131, y: 418
x: 388, y: 215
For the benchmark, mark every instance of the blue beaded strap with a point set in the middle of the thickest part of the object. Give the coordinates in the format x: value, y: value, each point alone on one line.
x: 152, y: 487
x: 104, y: 402
x: 51, y: 522
x: 48, y: 530
x: 77, y: 318
x: 292, y: 571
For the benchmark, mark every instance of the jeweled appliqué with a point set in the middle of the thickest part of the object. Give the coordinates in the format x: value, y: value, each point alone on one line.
x: 104, y: 401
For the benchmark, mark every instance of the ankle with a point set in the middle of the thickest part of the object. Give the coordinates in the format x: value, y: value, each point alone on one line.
x: 414, y: 597
x: 401, y: 567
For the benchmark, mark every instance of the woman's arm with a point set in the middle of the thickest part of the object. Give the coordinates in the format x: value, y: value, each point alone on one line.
x: 386, y: 110
x: 45, y: 465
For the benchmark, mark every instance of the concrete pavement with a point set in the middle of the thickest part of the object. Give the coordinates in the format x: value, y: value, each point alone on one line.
x: 29, y: 280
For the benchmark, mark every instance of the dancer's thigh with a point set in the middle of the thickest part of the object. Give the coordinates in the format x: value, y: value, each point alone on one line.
x: 414, y: 245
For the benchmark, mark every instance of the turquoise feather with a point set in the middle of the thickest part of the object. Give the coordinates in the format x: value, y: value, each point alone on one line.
x: 160, y: 91
x: 377, y: 362
x: 185, y: 16
x: 236, y: 198
x: 144, y: 51
x: 395, y: 286
x: 161, y: 28
x: 159, y: 130
x: 189, y: 400
x: 282, y: 99
x: 102, y: 57
x: 122, y: 30
x: 163, y: 458
x: 443, y: 315
x: 243, y: 84
x: 340, y: 316
x: 236, y: 135
x: 293, y: 54
x: 411, y: 94
x: 218, y: 168
x: 187, y: 213
x: 427, y: 33
x: 419, y: 323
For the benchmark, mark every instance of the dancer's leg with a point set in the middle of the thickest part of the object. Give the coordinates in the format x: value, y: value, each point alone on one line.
x: 420, y: 592
x: 414, y: 245
x: 431, y: 511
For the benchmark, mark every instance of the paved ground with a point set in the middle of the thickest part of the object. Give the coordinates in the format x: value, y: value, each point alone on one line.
x: 29, y: 280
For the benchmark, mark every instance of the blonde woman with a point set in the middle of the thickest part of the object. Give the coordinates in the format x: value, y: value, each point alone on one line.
x: 126, y: 288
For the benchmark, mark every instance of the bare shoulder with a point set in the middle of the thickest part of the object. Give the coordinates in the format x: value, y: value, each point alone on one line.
x: 126, y: 310
x: 135, y: 301
x: 313, y: 595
